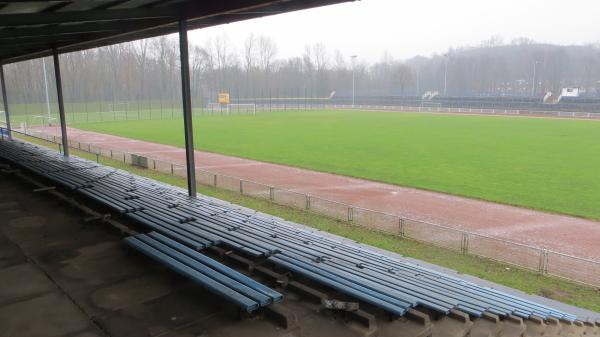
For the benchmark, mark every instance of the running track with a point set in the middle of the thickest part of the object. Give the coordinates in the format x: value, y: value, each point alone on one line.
x: 565, y: 234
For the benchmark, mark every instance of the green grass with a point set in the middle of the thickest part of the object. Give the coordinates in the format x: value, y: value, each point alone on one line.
x: 546, y: 164
x: 524, y: 280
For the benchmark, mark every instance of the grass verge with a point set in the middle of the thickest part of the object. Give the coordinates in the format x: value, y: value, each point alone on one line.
x: 528, y: 281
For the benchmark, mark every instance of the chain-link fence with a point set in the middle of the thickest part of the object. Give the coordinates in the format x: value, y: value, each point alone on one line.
x: 479, y: 111
x: 26, y: 115
x: 538, y: 259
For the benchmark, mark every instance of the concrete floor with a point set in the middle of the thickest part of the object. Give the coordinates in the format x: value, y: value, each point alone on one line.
x: 62, y: 277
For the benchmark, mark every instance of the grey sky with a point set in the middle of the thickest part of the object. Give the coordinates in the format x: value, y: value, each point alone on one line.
x: 370, y: 28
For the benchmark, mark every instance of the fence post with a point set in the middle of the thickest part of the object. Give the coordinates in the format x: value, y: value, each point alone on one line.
x: 307, y: 201
x: 350, y: 214
x: 464, y: 245
x: 215, y: 180
x: 98, y: 158
x: 401, y: 226
x: 543, y: 265
x: 271, y: 193
x: 241, y: 186
x: 172, y: 170
x: 111, y: 155
x: 544, y: 261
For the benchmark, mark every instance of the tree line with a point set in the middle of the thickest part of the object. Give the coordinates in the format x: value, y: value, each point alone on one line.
x: 149, y: 70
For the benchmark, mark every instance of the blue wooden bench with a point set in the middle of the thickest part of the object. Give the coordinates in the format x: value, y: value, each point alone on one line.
x: 210, y: 274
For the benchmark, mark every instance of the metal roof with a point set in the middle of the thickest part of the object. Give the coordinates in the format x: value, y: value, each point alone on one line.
x: 31, y: 29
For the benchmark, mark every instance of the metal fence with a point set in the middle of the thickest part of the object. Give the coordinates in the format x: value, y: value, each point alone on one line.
x: 574, y: 268
x: 432, y: 109
x: 95, y: 112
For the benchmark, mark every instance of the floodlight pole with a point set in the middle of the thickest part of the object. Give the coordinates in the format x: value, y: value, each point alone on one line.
x: 188, y: 130
x: 446, y: 75
x: 61, y: 105
x: 353, y: 87
x: 47, y: 96
x: 418, y: 80
x: 533, y: 81
x: 5, y: 100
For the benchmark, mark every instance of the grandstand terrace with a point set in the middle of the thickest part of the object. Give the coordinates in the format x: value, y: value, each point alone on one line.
x: 91, y: 250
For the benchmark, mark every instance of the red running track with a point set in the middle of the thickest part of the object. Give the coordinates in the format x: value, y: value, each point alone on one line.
x: 564, y: 234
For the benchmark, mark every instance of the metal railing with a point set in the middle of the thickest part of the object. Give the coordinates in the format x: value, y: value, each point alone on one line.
x: 544, y: 261
x: 149, y: 111
x: 435, y: 109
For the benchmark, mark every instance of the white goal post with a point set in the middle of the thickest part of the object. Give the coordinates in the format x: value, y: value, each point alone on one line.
x: 246, y: 107
x: 119, y: 107
x: 233, y: 108
x: 430, y: 104
x: 43, y: 119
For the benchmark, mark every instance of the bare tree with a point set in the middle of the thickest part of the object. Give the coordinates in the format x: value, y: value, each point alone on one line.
x: 267, y: 50
x: 140, y: 48
x: 250, y: 46
x: 149, y: 70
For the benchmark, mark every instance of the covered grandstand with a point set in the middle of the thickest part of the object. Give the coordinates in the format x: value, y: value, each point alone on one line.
x: 265, y: 268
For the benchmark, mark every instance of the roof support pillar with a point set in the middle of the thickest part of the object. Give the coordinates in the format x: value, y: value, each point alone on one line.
x: 61, y: 105
x: 187, y: 108
x: 5, y: 100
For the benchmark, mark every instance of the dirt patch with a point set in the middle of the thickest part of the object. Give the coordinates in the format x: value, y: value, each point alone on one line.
x: 555, y: 294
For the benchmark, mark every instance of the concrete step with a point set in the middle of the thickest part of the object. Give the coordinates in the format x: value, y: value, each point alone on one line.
x: 553, y: 327
x: 455, y: 324
x: 571, y: 329
x: 591, y: 329
x: 513, y: 326
x: 535, y: 327
x: 413, y: 324
x: 488, y: 325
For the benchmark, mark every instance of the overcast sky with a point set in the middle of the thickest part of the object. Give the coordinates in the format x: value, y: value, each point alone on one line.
x: 405, y: 28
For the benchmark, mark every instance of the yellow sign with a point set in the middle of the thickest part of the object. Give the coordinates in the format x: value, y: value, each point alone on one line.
x: 223, y: 98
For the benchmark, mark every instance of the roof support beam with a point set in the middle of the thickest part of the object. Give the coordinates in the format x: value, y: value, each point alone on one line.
x: 150, y: 19
x: 21, y: 1
x: 5, y: 100
x: 43, y: 40
x: 87, y: 27
x: 187, y: 109
x: 61, y: 104
x: 87, y: 16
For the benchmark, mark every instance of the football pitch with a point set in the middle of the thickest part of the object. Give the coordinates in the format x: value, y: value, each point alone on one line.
x: 546, y: 164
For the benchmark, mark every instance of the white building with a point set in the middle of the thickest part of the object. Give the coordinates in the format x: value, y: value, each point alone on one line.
x: 570, y: 92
